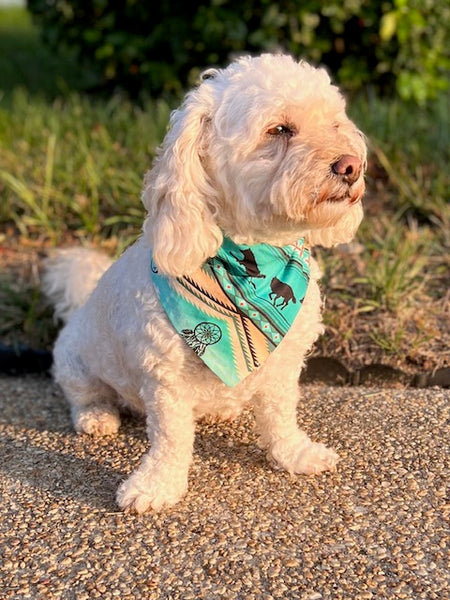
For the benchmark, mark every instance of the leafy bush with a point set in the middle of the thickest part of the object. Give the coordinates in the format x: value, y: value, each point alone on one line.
x: 418, y: 31
x: 160, y: 46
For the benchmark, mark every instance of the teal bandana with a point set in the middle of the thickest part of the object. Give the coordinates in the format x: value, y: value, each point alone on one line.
x: 238, y: 307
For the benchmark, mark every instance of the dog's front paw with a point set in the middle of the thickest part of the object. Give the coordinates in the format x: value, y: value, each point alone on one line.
x: 96, y: 421
x: 306, y: 457
x: 315, y: 458
x: 141, y: 493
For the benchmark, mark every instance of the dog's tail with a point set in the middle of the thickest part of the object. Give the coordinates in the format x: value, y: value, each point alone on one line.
x: 69, y: 276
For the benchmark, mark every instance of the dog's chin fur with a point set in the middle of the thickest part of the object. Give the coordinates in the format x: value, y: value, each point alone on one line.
x: 225, y: 168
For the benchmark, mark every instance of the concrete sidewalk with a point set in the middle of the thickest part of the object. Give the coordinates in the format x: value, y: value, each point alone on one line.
x: 375, y: 528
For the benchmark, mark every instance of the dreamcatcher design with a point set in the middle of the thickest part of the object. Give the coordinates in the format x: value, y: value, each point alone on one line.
x: 205, y: 334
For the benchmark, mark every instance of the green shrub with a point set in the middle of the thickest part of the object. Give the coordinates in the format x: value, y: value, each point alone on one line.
x: 418, y: 31
x: 158, y: 46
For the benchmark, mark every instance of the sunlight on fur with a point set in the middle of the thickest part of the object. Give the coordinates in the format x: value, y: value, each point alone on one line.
x: 261, y: 152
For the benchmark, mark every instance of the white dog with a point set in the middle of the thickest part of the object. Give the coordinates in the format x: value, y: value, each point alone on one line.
x: 260, y: 156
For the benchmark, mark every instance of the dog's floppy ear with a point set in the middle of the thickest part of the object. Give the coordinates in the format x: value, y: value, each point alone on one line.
x: 178, y: 194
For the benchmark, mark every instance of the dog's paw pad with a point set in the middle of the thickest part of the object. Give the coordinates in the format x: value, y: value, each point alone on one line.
x: 97, y: 422
x: 303, y: 456
x: 315, y: 458
x: 134, y: 496
x: 132, y: 500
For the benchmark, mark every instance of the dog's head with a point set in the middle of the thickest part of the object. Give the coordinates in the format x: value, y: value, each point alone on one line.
x: 261, y: 151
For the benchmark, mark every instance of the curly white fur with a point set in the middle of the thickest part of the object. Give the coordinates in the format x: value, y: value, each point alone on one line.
x: 254, y: 153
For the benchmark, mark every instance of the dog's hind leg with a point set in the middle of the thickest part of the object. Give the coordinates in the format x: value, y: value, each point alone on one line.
x: 161, y: 479
x: 99, y: 416
x: 93, y: 403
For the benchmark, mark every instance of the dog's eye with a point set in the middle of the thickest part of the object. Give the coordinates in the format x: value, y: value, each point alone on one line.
x: 209, y: 74
x: 281, y: 130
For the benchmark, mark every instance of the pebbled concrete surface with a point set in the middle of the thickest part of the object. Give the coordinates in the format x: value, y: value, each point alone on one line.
x: 374, y: 529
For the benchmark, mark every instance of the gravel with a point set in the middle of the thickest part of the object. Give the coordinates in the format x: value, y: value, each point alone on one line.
x: 373, y: 529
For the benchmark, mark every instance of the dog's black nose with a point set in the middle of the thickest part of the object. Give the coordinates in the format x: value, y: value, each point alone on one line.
x: 348, y: 167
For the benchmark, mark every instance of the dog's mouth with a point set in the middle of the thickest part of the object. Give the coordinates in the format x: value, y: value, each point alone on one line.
x: 346, y: 198
x: 351, y: 195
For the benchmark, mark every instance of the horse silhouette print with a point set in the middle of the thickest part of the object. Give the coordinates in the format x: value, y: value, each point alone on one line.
x: 281, y: 290
x: 249, y: 264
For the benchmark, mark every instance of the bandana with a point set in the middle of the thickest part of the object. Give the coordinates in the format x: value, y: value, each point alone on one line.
x: 236, y: 309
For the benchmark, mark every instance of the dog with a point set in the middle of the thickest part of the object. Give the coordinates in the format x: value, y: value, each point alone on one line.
x: 260, y: 154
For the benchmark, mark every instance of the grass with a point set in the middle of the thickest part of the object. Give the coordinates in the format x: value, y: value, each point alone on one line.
x: 71, y: 168
x: 75, y: 165
x: 411, y: 145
